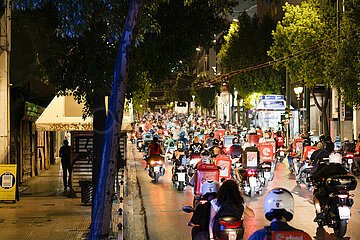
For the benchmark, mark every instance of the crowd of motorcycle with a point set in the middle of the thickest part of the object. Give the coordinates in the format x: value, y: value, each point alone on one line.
x: 203, y: 150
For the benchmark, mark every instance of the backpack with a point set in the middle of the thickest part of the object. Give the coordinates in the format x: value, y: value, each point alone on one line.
x: 228, y: 210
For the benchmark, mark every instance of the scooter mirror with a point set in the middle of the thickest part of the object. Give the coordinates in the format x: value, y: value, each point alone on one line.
x: 188, y: 209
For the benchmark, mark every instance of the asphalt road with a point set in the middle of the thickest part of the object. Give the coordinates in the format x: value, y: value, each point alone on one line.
x: 165, y: 219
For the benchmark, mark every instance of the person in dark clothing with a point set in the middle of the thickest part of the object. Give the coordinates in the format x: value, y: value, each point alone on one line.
x: 279, y: 209
x: 235, y: 149
x: 201, y: 216
x: 325, y: 171
x: 66, y: 164
x: 317, y: 156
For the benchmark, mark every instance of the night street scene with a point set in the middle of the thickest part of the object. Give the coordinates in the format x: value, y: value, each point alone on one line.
x: 179, y: 119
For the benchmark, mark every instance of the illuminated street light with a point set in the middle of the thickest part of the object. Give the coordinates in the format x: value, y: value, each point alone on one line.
x: 298, y: 91
x: 198, y: 49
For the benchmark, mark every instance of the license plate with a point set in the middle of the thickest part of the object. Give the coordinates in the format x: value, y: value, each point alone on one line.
x: 267, y: 175
x: 344, y: 212
x: 181, y: 177
x: 157, y: 169
x: 282, y: 154
x: 350, y: 161
x: 232, y: 236
x: 252, y: 181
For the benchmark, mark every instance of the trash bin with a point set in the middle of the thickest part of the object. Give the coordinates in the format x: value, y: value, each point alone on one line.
x: 86, y: 191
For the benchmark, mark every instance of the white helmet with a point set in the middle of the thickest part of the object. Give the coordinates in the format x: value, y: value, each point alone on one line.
x: 210, y: 186
x: 246, y: 145
x: 335, y: 157
x: 279, y: 202
x: 252, y: 130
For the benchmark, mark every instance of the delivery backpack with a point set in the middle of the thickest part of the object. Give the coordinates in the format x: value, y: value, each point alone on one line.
x: 228, y: 223
x: 274, y: 235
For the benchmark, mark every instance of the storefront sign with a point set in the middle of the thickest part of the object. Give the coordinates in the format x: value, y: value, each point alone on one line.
x: 7, y: 182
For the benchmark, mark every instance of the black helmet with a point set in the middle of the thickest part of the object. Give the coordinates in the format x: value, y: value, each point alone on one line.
x: 216, y: 141
x: 306, y: 143
x: 322, y: 137
x: 212, y: 134
x: 235, y: 140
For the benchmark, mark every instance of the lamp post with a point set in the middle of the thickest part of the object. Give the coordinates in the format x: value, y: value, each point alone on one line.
x: 193, y: 105
x: 298, y: 91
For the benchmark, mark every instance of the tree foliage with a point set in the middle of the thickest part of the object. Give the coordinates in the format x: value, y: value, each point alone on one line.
x: 345, y: 67
x: 246, y: 45
x: 304, y: 41
x: 206, y: 96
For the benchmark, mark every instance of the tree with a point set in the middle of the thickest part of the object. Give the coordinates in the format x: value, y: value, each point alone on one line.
x: 205, y: 96
x: 246, y: 45
x: 304, y: 42
x: 345, y: 67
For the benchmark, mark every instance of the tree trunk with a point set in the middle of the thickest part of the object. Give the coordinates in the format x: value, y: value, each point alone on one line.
x: 101, y: 216
x: 98, y: 143
x: 323, y: 109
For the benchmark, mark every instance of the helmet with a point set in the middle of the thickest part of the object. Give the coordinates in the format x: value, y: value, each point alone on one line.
x: 155, y: 138
x: 180, y: 145
x: 246, y: 145
x: 337, y: 139
x: 252, y: 130
x: 322, y: 137
x: 277, y: 203
x: 306, y: 143
x: 335, y: 157
x: 210, y: 186
x: 182, y: 134
x: 346, y: 139
x: 148, y: 135
x: 212, y: 134
x: 216, y: 142
x: 235, y: 140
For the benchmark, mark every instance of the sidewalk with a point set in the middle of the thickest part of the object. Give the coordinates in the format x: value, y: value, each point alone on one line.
x: 44, y: 211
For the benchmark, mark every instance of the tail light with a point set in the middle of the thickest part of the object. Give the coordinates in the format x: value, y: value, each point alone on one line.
x: 153, y: 162
x: 203, y: 202
x: 251, y: 172
x: 342, y: 196
x: 349, y: 155
x: 231, y: 224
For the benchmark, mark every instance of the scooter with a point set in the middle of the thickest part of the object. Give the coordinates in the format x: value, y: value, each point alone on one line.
x: 156, y: 168
x: 280, y: 154
x: 336, y: 208
x: 305, y: 174
x: 180, y: 178
x: 265, y: 173
x: 251, y: 182
x: 229, y: 227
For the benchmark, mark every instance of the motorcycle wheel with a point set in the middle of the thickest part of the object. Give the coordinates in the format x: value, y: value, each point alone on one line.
x: 252, y: 192
x: 156, y: 177
x: 355, y: 170
x: 340, y: 229
x: 266, y: 183
x: 181, y: 186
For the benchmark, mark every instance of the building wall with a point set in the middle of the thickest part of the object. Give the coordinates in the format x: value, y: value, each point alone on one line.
x: 4, y: 86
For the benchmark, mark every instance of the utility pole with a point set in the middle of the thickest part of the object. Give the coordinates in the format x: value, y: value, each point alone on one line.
x: 288, y: 100
x: 5, y: 47
x: 307, y: 106
x: 338, y: 42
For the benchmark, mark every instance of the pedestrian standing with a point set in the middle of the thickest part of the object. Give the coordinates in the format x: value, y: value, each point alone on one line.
x: 65, y: 163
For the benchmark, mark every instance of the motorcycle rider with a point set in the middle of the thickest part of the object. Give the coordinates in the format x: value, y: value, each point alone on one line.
x: 183, y: 139
x: 317, y: 155
x: 325, y: 171
x: 229, y: 194
x: 155, y: 150
x: 209, y: 141
x: 235, y: 149
x: 215, y: 149
x: 196, y: 147
x: 279, y: 209
x: 201, y: 217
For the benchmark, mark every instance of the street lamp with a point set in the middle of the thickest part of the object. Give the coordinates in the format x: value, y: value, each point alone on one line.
x: 298, y: 91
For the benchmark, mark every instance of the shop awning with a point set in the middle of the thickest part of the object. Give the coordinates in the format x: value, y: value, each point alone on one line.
x: 65, y: 114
